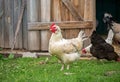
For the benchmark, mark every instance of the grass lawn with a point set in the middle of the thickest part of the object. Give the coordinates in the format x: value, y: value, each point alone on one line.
x: 30, y: 70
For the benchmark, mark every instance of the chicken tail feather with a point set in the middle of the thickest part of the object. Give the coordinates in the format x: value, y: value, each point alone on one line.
x: 82, y: 35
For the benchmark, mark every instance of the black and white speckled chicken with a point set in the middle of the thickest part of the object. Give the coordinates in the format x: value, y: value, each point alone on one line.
x: 112, y: 24
x: 101, y: 49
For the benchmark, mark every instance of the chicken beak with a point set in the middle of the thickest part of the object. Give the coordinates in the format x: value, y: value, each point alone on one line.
x: 50, y: 29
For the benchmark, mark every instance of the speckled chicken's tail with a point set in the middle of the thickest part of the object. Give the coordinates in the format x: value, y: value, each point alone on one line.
x: 82, y: 35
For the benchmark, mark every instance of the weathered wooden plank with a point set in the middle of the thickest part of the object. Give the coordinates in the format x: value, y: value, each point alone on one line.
x: 45, y: 17
x: 56, y: 10
x: 68, y: 17
x: 81, y: 7
x: 72, y: 9
x: 20, y: 34
x: 2, y: 23
x: 63, y: 11
x: 25, y: 30
x: 71, y: 33
x: 33, y: 36
x: 94, y: 15
x: 88, y: 9
x: 11, y: 22
x: 16, y: 14
x: 71, y: 16
x: 63, y: 25
x: 19, y: 24
x: 17, y: 8
x: 7, y: 21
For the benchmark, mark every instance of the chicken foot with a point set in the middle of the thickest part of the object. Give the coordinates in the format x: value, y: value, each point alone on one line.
x: 63, y: 66
x: 68, y: 66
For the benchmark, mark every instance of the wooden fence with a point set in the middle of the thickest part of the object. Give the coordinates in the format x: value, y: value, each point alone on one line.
x: 9, y: 14
x: 71, y: 15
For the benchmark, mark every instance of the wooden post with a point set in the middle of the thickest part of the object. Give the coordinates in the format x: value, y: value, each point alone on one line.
x: 45, y: 17
x: 33, y: 36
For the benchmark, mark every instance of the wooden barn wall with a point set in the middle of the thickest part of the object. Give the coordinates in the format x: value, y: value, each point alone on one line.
x: 56, y: 11
x: 39, y: 11
x: 9, y: 13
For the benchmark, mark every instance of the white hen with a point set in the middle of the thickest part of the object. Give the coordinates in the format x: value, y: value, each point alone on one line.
x: 66, y: 50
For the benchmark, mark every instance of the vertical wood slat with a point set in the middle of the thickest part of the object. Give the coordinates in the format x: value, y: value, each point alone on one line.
x: 6, y: 28
x: 11, y: 23
x: 69, y: 17
x: 17, y: 8
x: 16, y: 14
x: 94, y: 15
x: 72, y: 9
x: 56, y: 10
x: 45, y: 17
x: 1, y: 14
x: 88, y: 9
x: 25, y: 30
x: 2, y: 23
x: 63, y: 15
x: 20, y: 38
x: 33, y: 36
x: 72, y: 33
x: 81, y: 7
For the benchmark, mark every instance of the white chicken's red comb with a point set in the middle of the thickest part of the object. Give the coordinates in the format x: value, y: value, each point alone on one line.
x: 52, y: 25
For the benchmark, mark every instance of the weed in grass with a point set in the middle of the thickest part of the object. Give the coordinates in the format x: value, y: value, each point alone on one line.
x: 11, y: 56
x: 1, y: 56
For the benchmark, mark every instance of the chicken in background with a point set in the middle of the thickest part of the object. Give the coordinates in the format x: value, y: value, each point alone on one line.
x: 101, y: 49
x: 111, y: 24
x: 109, y: 40
x: 66, y: 50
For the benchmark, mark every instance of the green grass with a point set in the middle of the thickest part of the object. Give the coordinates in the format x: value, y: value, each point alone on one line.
x: 30, y: 70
